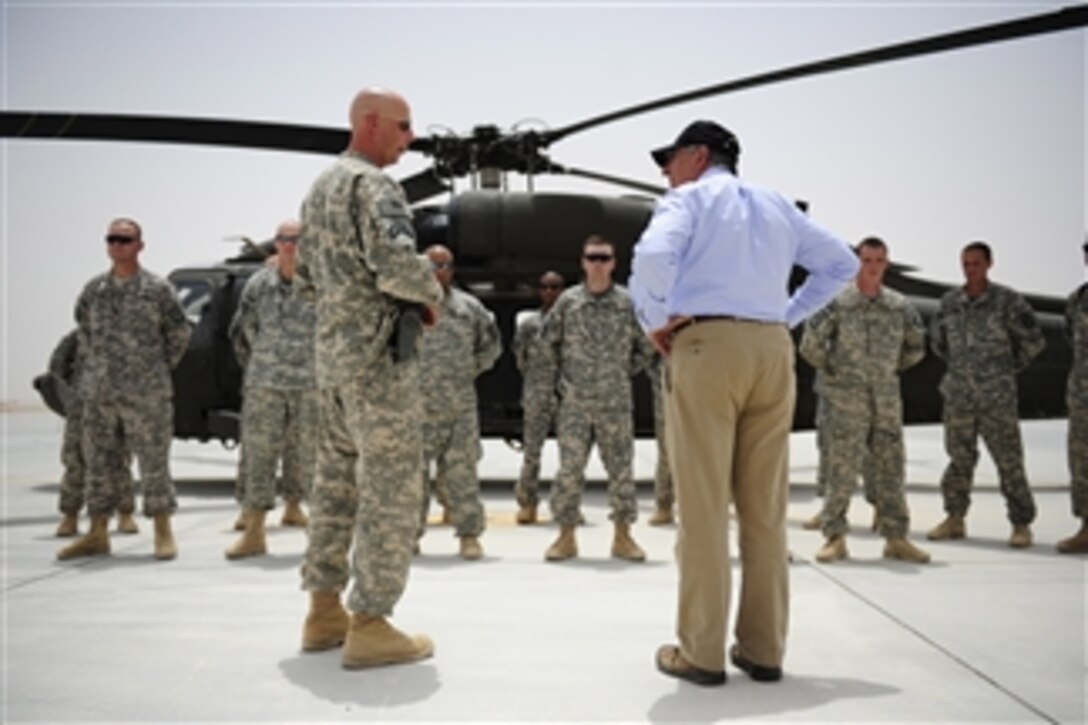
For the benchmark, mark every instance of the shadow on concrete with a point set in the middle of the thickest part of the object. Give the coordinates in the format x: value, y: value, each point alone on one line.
x: 382, y: 687
x: 743, y: 699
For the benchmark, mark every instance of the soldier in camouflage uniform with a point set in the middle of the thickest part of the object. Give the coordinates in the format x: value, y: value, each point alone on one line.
x: 463, y: 344
x: 64, y: 367
x: 539, y: 404
x: 596, y: 347
x: 860, y: 343
x: 663, y: 491
x: 273, y: 337
x: 1076, y: 399
x: 986, y: 333
x: 357, y: 258
x: 132, y: 332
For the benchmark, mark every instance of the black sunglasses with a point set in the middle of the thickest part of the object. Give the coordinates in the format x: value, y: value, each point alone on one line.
x: 119, y: 239
x: 597, y: 257
x: 292, y: 238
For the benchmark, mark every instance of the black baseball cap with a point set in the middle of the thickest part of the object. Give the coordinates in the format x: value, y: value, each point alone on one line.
x: 700, y: 133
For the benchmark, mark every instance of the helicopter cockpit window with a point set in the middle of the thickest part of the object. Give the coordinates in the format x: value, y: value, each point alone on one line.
x: 195, y: 295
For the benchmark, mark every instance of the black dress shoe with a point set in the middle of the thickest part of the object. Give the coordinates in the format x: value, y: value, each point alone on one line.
x: 672, y: 663
x: 760, y: 673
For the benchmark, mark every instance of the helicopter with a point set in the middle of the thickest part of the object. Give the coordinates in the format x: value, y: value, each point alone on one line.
x: 503, y: 239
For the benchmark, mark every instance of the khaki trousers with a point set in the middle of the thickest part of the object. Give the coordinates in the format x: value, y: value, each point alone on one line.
x: 729, y: 405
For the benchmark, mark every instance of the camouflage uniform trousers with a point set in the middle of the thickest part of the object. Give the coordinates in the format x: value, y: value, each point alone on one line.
x: 276, y: 423
x: 539, y: 411
x: 822, y: 474
x: 367, y: 487
x: 72, y: 483
x: 144, y: 426
x: 864, y: 425
x: 612, y: 429
x: 664, y: 496
x: 452, y: 442
x: 1000, y: 430
x: 1078, y: 458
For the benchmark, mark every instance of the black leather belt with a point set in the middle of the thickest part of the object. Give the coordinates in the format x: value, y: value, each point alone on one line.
x: 695, y: 319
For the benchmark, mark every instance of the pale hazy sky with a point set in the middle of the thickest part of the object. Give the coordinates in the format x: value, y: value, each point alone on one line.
x: 931, y: 153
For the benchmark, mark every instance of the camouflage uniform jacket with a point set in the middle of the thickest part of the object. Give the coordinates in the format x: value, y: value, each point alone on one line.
x: 132, y: 332
x: 531, y: 355
x: 596, y: 346
x: 463, y: 344
x: 357, y: 257
x: 858, y: 343
x: 1076, y: 320
x: 985, y: 342
x: 273, y: 333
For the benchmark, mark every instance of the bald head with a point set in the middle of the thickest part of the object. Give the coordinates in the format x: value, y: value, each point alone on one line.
x: 442, y: 262
x: 287, y: 235
x: 381, y: 125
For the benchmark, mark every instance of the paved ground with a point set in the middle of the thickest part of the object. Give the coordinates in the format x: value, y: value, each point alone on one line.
x: 983, y: 634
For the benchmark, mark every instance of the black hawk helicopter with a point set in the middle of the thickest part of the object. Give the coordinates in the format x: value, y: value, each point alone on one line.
x: 503, y: 240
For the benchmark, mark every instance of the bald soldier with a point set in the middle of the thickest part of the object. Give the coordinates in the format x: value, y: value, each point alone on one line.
x: 462, y: 345
x: 357, y: 257
x: 132, y: 333
x: 273, y: 337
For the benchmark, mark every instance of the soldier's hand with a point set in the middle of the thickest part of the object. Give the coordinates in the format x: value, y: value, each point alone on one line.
x: 431, y: 313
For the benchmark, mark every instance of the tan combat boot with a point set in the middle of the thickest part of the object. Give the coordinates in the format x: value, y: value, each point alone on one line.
x: 326, y: 623
x: 1075, y: 544
x: 471, y: 549
x: 165, y: 546
x: 373, y: 641
x: 624, y: 547
x: 662, y: 516
x: 293, y: 515
x: 564, y: 547
x: 1021, y: 536
x: 526, y: 515
x: 68, y: 526
x: 812, y: 524
x: 126, y: 524
x: 953, y: 527
x: 903, y: 550
x: 96, y: 541
x: 833, y: 550
x: 252, y: 541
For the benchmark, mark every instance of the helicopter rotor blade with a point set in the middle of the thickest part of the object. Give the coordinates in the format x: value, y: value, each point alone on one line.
x: 1065, y: 19
x: 163, y: 129
x: 423, y: 185
x: 597, y: 176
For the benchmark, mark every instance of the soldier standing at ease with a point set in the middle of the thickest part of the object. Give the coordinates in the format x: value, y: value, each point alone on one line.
x: 663, y: 491
x: 986, y: 333
x: 462, y: 345
x: 860, y: 343
x: 273, y: 337
x: 64, y: 367
x: 132, y: 332
x: 539, y: 404
x: 596, y: 348
x: 358, y: 259
x: 1076, y: 399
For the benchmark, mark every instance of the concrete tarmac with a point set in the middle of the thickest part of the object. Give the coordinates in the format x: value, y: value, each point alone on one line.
x: 984, y: 633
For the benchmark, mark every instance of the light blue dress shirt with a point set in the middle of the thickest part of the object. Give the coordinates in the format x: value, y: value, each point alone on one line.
x: 719, y: 246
